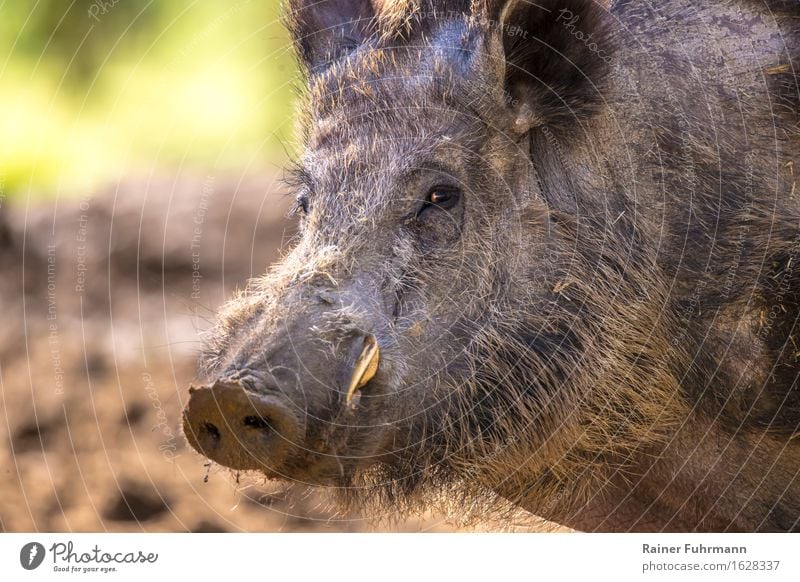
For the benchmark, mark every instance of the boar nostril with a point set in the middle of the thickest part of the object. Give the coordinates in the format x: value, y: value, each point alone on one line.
x: 241, y: 429
x: 212, y: 431
x: 258, y: 422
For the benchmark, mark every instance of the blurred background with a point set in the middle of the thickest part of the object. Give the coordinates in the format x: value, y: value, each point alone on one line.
x: 94, y: 90
x: 140, y: 152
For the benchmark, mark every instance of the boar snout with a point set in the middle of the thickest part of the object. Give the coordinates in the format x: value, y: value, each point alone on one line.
x: 259, y: 424
x: 241, y: 429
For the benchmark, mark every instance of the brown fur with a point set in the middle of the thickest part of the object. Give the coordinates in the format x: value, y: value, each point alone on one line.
x: 605, y: 334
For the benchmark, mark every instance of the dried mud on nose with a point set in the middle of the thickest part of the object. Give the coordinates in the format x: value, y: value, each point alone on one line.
x: 99, y: 342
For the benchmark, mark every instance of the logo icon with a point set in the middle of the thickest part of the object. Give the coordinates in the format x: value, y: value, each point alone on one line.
x: 31, y: 555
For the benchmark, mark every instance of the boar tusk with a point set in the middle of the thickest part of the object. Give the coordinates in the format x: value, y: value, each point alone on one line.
x: 366, y: 366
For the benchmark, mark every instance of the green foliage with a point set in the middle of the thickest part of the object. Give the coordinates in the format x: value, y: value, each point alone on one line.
x: 92, y: 90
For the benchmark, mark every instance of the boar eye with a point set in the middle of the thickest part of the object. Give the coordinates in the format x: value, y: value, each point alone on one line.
x: 301, y: 204
x: 443, y: 197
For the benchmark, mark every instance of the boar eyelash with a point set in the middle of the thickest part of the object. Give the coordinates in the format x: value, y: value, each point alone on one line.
x: 298, y: 178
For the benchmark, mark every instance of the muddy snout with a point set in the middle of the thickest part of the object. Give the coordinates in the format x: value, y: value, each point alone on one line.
x: 241, y: 429
x: 265, y: 427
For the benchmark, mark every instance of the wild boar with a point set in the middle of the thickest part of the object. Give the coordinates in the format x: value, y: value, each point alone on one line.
x: 548, y: 255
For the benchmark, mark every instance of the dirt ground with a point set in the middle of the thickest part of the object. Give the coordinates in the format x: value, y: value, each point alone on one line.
x: 102, y: 299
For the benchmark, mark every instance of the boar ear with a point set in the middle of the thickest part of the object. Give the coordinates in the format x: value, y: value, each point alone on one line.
x: 326, y: 30
x: 558, y: 55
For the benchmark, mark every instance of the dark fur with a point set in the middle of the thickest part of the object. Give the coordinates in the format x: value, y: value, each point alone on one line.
x: 622, y: 351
